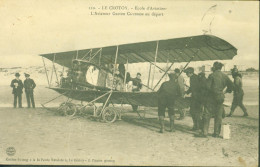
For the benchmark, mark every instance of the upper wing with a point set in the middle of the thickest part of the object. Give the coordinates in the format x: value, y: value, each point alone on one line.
x: 202, y: 47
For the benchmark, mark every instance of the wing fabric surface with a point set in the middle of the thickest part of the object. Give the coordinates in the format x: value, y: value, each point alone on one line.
x: 202, y: 47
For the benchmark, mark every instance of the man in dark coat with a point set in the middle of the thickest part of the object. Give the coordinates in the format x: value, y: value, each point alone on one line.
x: 29, y: 86
x: 238, y: 93
x: 137, y: 86
x: 167, y: 94
x: 137, y: 83
x: 207, y: 104
x: 195, y: 106
x: 17, y: 86
x: 216, y: 83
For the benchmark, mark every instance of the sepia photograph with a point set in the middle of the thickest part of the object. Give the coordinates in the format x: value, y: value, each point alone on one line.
x: 129, y: 83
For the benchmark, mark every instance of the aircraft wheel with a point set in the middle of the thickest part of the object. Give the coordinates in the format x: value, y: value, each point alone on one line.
x: 109, y: 115
x: 70, y: 109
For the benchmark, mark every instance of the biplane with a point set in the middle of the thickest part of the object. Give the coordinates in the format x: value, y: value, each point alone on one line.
x: 104, y: 62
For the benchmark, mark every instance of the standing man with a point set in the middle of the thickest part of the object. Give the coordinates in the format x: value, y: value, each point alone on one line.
x: 167, y: 94
x: 17, y: 86
x: 237, y: 94
x: 29, y: 85
x: 234, y: 69
x: 206, y: 103
x: 195, y: 106
x: 216, y: 83
x: 182, y: 90
x: 137, y: 86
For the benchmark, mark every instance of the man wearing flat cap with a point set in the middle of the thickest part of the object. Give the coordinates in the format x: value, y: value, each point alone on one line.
x: 29, y: 85
x: 167, y: 94
x: 195, y: 106
x: 216, y: 83
x: 17, y: 86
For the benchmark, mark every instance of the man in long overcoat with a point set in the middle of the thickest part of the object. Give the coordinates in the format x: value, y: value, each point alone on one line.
x: 29, y: 86
x: 17, y: 86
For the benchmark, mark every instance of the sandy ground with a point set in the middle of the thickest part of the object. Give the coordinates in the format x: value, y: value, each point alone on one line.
x: 42, y: 136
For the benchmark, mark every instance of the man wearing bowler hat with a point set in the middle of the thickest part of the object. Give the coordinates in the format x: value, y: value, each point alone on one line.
x: 29, y: 85
x: 17, y: 86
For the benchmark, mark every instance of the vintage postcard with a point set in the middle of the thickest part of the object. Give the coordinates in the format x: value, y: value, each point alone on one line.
x: 171, y: 83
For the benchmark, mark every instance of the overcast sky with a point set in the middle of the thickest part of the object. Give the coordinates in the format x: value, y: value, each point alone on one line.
x: 29, y: 28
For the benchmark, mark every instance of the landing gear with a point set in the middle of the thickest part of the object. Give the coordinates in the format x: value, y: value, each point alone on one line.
x: 70, y: 109
x: 109, y: 115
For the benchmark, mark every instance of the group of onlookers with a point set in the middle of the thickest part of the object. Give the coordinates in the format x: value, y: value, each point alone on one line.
x: 207, y: 97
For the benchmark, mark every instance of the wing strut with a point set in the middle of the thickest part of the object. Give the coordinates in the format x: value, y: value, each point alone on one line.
x: 155, y: 60
x: 100, y: 54
x: 125, y: 73
x: 55, y: 69
x: 46, y: 72
x: 148, y: 81
x: 111, y: 91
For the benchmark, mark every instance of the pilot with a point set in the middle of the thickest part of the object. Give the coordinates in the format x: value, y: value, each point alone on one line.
x: 29, y: 86
x: 167, y: 94
x: 17, y: 86
x: 137, y: 83
x: 195, y: 106
x: 136, y: 87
